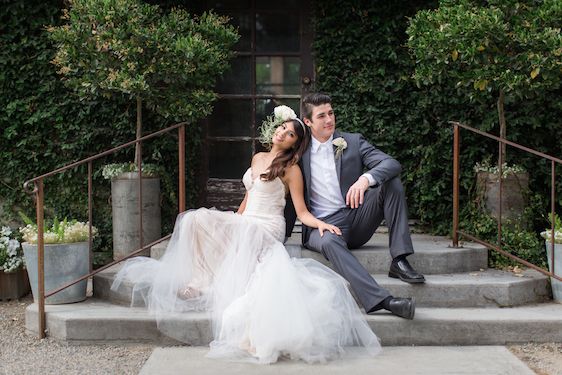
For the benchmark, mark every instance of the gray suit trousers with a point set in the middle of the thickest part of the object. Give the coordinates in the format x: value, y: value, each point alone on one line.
x: 386, y: 201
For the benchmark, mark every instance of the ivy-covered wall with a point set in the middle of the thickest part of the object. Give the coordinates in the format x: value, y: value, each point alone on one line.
x: 362, y: 61
x: 43, y: 126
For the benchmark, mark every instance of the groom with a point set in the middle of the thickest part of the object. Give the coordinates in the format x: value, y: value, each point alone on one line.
x: 353, y: 185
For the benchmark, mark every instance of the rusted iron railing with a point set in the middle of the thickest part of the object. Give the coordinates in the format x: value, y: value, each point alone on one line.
x: 456, y: 176
x: 38, y: 192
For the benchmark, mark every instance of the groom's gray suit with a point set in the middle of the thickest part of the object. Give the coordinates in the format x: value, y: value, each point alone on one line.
x: 385, y: 200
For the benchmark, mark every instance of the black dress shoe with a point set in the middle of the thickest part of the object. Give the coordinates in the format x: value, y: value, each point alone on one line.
x: 403, y: 307
x: 401, y: 269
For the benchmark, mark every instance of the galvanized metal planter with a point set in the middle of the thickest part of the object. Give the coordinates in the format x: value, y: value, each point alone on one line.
x: 125, y: 213
x: 556, y: 285
x: 63, y: 263
x: 13, y: 285
x: 513, y: 199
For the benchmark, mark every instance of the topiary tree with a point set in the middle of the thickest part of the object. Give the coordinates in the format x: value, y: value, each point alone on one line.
x: 169, y: 61
x: 500, y: 47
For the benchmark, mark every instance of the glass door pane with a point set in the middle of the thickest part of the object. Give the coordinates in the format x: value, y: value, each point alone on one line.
x: 278, y: 75
x: 229, y: 159
x: 231, y: 118
x: 237, y: 80
x: 277, y: 32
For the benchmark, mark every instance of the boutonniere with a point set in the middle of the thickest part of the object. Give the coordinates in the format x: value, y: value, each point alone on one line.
x: 340, y: 144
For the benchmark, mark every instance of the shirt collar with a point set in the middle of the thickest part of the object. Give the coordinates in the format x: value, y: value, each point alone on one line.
x: 316, y: 143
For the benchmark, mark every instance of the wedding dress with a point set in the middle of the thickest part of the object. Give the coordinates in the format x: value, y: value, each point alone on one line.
x: 263, y: 304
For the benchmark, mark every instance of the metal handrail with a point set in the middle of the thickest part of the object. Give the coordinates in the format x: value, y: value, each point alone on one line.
x: 456, y: 177
x: 38, y: 191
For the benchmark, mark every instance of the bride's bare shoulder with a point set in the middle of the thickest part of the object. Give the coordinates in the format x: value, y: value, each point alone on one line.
x: 293, y: 172
x: 258, y: 157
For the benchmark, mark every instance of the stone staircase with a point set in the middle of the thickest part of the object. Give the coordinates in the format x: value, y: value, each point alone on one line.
x: 462, y: 303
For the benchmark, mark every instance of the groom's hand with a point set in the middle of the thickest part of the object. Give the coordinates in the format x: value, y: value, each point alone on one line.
x: 356, y: 192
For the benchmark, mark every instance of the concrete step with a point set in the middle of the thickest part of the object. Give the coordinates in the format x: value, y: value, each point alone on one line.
x: 432, y: 254
x: 95, y: 321
x: 488, y: 287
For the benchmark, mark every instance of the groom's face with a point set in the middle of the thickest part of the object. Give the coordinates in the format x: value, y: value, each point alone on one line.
x: 322, y: 123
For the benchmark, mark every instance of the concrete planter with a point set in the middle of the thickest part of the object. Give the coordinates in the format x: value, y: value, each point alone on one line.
x: 514, y: 186
x: 63, y: 263
x: 556, y: 285
x: 125, y: 213
x: 13, y: 285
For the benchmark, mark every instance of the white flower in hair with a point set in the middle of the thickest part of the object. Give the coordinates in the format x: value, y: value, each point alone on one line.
x: 281, y: 114
x: 284, y: 113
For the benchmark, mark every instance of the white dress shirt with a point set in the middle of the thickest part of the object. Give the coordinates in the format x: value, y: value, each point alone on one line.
x: 325, y: 193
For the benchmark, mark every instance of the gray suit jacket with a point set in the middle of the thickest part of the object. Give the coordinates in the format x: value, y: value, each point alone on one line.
x: 359, y: 157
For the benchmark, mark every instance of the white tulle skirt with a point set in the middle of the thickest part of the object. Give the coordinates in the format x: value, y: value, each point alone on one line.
x: 263, y: 304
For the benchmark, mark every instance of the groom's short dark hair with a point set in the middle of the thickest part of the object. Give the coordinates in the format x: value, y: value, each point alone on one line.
x: 313, y: 100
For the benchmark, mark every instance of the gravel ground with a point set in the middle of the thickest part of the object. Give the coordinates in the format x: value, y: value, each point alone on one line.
x: 21, y: 353
x: 544, y: 359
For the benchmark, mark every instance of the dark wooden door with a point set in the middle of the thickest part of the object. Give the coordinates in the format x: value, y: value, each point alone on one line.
x: 273, y: 66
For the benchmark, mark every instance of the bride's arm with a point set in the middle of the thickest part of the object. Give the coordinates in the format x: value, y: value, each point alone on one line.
x: 293, y: 178
x: 243, y: 204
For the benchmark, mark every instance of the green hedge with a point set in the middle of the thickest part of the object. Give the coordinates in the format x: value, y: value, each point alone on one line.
x: 362, y: 61
x: 44, y: 126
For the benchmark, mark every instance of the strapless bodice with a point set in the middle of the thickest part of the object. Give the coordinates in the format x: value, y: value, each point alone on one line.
x: 266, y: 202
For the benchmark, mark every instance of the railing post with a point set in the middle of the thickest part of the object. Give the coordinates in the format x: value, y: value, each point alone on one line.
x: 40, y: 259
x: 552, y: 207
x: 181, y: 166
x: 456, y: 166
x: 90, y: 205
x: 139, y: 167
x: 500, y: 193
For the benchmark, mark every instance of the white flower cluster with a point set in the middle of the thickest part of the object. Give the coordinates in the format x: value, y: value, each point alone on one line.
x: 547, y: 235
x: 10, y: 254
x: 507, y: 170
x: 281, y: 114
x: 75, y: 231
x: 110, y: 171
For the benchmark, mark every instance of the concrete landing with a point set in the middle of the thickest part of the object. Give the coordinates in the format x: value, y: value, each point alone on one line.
x: 421, y: 360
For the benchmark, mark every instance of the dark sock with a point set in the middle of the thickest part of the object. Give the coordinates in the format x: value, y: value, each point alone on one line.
x: 399, y: 258
x: 384, y: 304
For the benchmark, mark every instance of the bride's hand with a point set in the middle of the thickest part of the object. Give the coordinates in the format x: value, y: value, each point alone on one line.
x: 322, y: 226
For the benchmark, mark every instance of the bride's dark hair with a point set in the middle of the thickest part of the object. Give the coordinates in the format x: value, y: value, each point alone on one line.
x: 290, y: 156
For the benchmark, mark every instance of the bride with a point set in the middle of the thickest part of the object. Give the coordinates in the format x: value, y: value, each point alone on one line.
x: 263, y: 304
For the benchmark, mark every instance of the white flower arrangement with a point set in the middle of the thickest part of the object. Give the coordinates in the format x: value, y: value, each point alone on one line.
x: 485, y: 166
x: 59, y: 232
x: 11, y: 257
x: 340, y: 144
x: 113, y: 170
x: 547, y: 234
x: 281, y: 114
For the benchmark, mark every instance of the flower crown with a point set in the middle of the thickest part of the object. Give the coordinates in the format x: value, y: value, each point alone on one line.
x: 281, y: 114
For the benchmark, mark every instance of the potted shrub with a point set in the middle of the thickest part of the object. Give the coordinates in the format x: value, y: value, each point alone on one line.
x: 515, y: 184
x: 557, y: 238
x: 489, y: 49
x: 125, y: 208
x: 165, y: 60
x: 14, y: 282
x: 66, y: 258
